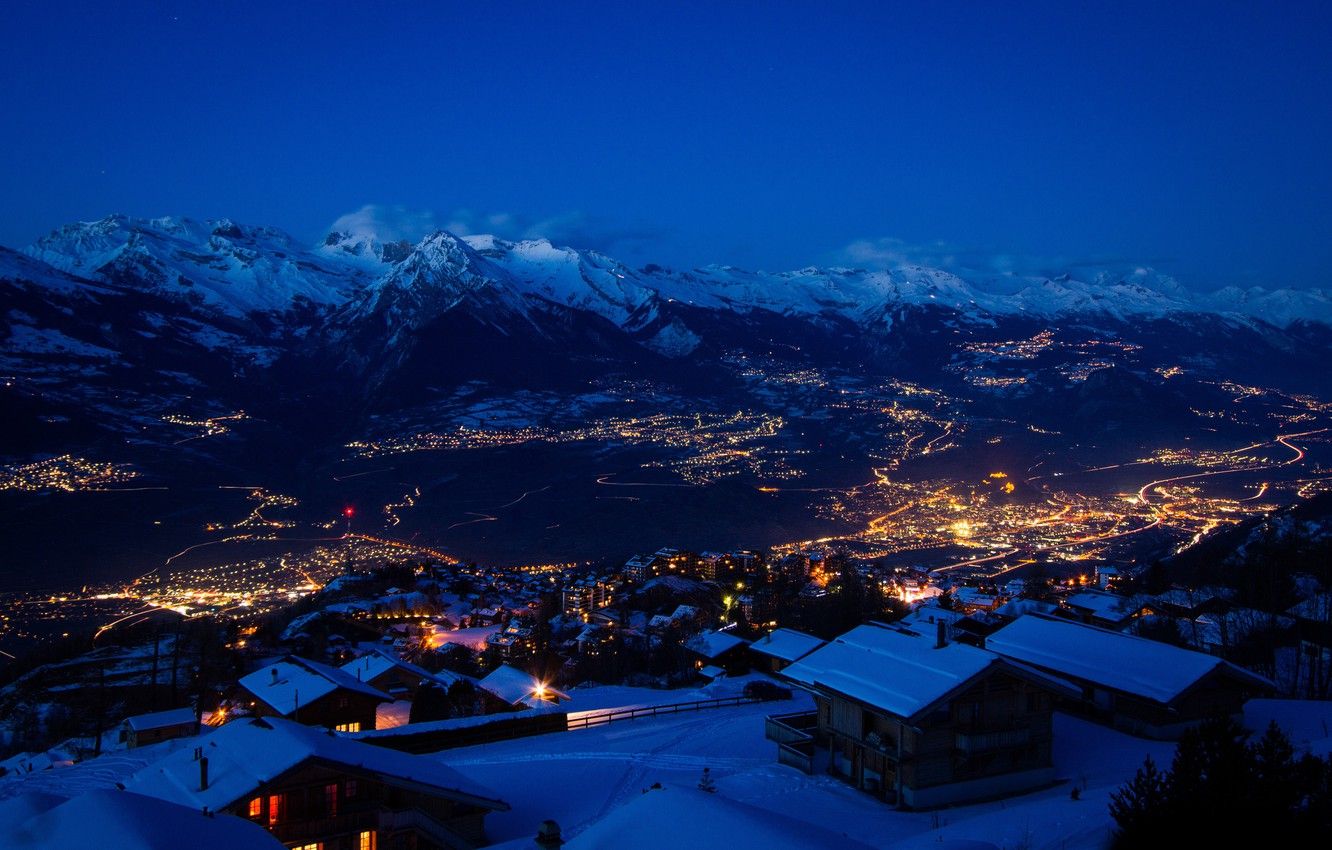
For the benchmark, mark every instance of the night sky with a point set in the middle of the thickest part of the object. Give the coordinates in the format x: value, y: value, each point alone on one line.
x: 1191, y: 137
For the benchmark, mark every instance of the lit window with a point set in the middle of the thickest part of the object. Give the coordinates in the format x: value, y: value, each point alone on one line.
x: 348, y: 727
x: 331, y: 799
x: 367, y: 841
x: 318, y: 845
x: 275, y: 808
x: 256, y: 807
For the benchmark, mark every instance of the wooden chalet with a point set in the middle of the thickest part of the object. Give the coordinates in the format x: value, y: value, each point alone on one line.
x: 312, y: 693
x: 144, y: 729
x: 1139, y: 685
x: 920, y: 721
x: 311, y: 788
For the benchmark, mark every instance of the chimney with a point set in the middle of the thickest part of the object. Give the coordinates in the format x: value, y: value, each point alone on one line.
x: 203, y: 773
x: 274, y: 671
x: 548, y: 836
x: 940, y: 635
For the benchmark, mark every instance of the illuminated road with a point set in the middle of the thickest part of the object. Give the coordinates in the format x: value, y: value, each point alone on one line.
x: 1283, y: 440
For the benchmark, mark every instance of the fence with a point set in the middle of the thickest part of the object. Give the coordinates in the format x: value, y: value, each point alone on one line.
x: 465, y: 732
x: 589, y: 719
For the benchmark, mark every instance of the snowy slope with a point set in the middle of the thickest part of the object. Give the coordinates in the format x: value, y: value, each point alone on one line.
x: 233, y: 269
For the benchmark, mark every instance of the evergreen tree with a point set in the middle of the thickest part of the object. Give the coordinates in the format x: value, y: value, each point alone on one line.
x: 1139, y: 807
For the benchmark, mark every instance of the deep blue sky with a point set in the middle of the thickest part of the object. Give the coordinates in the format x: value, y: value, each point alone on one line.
x: 772, y: 134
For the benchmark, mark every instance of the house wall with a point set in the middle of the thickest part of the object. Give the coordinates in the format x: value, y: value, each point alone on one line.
x: 297, y: 808
x: 334, y: 709
x: 1218, y: 694
x: 1000, y: 727
x: 144, y: 737
x: 397, y: 679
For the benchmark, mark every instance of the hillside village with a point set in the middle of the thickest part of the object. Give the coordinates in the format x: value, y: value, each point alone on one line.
x: 371, y: 713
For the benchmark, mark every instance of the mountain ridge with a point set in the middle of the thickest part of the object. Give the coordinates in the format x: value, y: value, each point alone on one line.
x: 243, y: 269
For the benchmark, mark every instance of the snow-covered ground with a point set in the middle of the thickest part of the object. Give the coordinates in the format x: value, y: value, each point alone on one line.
x: 578, y: 778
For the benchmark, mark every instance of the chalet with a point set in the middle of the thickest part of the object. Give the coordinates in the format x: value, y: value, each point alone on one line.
x: 1142, y: 686
x: 393, y: 676
x: 312, y: 788
x: 144, y: 729
x: 312, y: 693
x: 774, y: 652
x: 717, y: 653
x: 919, y: 721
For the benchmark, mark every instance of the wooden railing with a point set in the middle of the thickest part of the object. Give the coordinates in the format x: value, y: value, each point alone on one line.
x: 429, y: 738
x: 785, y: 728
x: 799, y: 754
x: 794, y: 734
x: 589, y: 719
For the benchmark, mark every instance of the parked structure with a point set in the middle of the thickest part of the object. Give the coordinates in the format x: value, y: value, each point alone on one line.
x: 776, y: 651
x: 921, y: 721
x: 1143, y: 686
x: 143, y: 729
x: 311, y: 788
x: 312, y: 693
x: 715, y: 653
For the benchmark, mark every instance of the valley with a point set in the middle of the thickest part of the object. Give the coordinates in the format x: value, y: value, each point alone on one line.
x: 224, y: 449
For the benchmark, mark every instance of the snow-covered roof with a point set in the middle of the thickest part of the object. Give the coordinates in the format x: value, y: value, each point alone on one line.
x: 1107, y: 606
x: 714, y: 644
x: 1127, y: 663
x: 125, y: 821
x: 786, y: 644
x: 294, y: 683
x: 377, y: 663
x: 515, y: 687
x: 900, y: 672
x: 670, y: 818
x: 160, y: 719
x: 246, y: 754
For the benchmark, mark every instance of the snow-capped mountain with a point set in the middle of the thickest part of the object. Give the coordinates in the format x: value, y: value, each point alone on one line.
x: 243, y: 270
x: 218, y: 265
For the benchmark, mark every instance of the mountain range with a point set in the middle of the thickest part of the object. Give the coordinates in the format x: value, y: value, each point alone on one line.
x: 98, y: 312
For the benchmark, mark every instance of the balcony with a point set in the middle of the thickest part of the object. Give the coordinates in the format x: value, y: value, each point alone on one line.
x: 785, y: 728
x: 794, y: 734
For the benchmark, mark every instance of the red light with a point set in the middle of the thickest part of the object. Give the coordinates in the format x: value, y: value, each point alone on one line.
x: 348, y: 512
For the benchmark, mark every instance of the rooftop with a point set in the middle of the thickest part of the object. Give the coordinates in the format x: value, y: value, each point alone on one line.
x: 1126, y: 663
x: 246, y: 754
x: 516, y: 687
x: 294, y: 683
x: 786, y: 644
x: 124, y: 821
x: 714, y: 644
x: 900, y: 672
x: 160, y: 719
